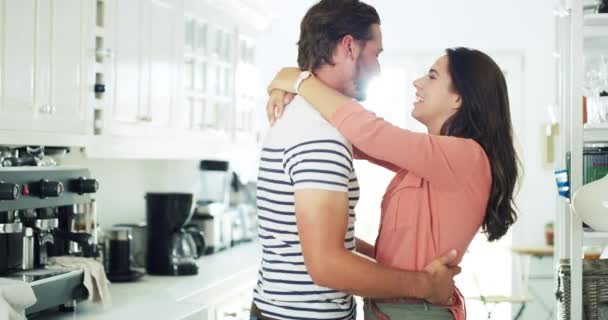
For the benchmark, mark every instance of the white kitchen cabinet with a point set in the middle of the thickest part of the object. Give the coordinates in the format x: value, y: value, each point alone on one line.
x: 46, y: 61
x: 144, y: 67
x: 161, y: 19
x: 235, y: 307
x: 233, y: 302
x: 125, y: 83
x: 102, y: 74
x: 249, y: 92
x: 18, y: 56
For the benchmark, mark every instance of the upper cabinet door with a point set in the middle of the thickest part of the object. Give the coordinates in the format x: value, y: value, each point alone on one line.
x: 43, y: 77
x: 71, y: 57
x: 128, y: 78
x: 160, y: 36
x: 17, y: 54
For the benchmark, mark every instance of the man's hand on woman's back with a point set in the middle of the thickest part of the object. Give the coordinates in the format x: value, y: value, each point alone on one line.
x: 441, y: 287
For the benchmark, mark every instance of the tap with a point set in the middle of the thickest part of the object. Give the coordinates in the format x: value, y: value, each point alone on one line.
x: 45, y: 238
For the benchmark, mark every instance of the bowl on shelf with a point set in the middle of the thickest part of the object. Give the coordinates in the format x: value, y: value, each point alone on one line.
x: 590, y: 203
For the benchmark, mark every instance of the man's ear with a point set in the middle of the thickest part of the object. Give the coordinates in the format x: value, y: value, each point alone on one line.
x: 349, y: 47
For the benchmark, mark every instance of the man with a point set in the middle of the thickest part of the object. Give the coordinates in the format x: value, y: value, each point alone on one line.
x: 307, y: 188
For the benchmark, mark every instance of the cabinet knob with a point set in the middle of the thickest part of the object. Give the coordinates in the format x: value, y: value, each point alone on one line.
x: 100, y: 88
x: 101, y: 53
x: 84, y: 185
x: 49, y: 189
x: 9, y: 191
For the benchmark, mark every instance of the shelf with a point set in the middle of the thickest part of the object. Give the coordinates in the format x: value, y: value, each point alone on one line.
x: 595, y: 238
x: 596, y: 132
x: 100, y: 32
x: 595, y: 235
x: 100, y: 67
x: 596, y: 32
x: 596, y: 25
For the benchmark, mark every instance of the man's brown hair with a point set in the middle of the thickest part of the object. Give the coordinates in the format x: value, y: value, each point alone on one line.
x: 326, y: 23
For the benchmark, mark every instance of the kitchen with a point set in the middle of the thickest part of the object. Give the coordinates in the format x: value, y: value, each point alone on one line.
x: 152, y: 97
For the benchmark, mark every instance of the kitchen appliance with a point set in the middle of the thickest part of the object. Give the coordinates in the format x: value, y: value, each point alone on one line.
x: 139, y: 240
x: 243, y: 204
x: 118, y: 253
x: 603, y: 7
x: 215, y: 182
x: 221, y: 211
x: 37, y: 208
x: 171, y: 250
x: 198, y: 236
x: 216, y: 223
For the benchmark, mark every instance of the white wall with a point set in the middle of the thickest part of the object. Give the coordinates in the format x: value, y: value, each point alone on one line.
x: 124, y: 183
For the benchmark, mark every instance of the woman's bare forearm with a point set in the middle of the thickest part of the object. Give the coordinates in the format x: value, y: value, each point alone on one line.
x: 323, y: 98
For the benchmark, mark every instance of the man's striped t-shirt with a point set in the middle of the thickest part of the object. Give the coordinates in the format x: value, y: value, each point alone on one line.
x: 301, y: 151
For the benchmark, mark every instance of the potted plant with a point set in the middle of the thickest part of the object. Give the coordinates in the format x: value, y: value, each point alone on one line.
x: 549, y: 233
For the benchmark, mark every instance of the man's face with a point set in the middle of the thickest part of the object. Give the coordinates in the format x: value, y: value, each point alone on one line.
x: 367, y: 65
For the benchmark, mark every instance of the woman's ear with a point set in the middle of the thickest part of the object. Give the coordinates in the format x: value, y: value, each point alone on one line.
x: 457, y: 102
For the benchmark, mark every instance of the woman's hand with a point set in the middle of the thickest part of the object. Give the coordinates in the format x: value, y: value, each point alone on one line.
x: 277, y: 102
x: 281, y: 91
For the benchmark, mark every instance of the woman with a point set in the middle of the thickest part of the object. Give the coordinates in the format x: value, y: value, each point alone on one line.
x: 449, y: 183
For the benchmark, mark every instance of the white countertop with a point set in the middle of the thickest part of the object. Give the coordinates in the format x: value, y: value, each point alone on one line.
x: 172, y: 297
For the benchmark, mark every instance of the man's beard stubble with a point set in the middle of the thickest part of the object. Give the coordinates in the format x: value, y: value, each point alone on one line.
x: 360, y: 83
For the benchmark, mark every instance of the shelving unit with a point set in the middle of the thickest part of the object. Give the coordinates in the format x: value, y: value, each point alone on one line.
x: 102, y: 60
x: 577, y: 35
x: 595, y: 27
x: 595, y: 133
x: 594, y: 238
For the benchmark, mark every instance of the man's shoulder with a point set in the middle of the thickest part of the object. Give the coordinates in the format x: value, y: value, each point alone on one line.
x: 302, y: 125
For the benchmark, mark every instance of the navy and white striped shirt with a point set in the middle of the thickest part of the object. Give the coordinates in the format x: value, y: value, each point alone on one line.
x: 301, y: 151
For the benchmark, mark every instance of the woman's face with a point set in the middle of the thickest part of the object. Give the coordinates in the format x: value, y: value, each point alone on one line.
x: 436, y: 98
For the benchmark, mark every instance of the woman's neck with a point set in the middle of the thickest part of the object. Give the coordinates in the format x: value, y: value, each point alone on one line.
x: 436, y: 126
x: 434, y: 129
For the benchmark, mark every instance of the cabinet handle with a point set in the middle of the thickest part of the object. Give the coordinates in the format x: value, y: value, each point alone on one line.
x: 101, y: 53
x: 45, y: 109
x: 230, y: 314
x: 144, y: 118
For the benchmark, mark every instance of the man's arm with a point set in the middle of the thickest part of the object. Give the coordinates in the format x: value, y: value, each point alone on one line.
x: 322, y: 220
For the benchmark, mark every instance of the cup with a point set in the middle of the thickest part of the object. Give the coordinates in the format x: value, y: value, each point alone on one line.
x: 563, y: 183
x: 119, y: 251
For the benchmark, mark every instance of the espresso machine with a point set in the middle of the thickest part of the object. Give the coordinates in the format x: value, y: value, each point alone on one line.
x: 43, y: 211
